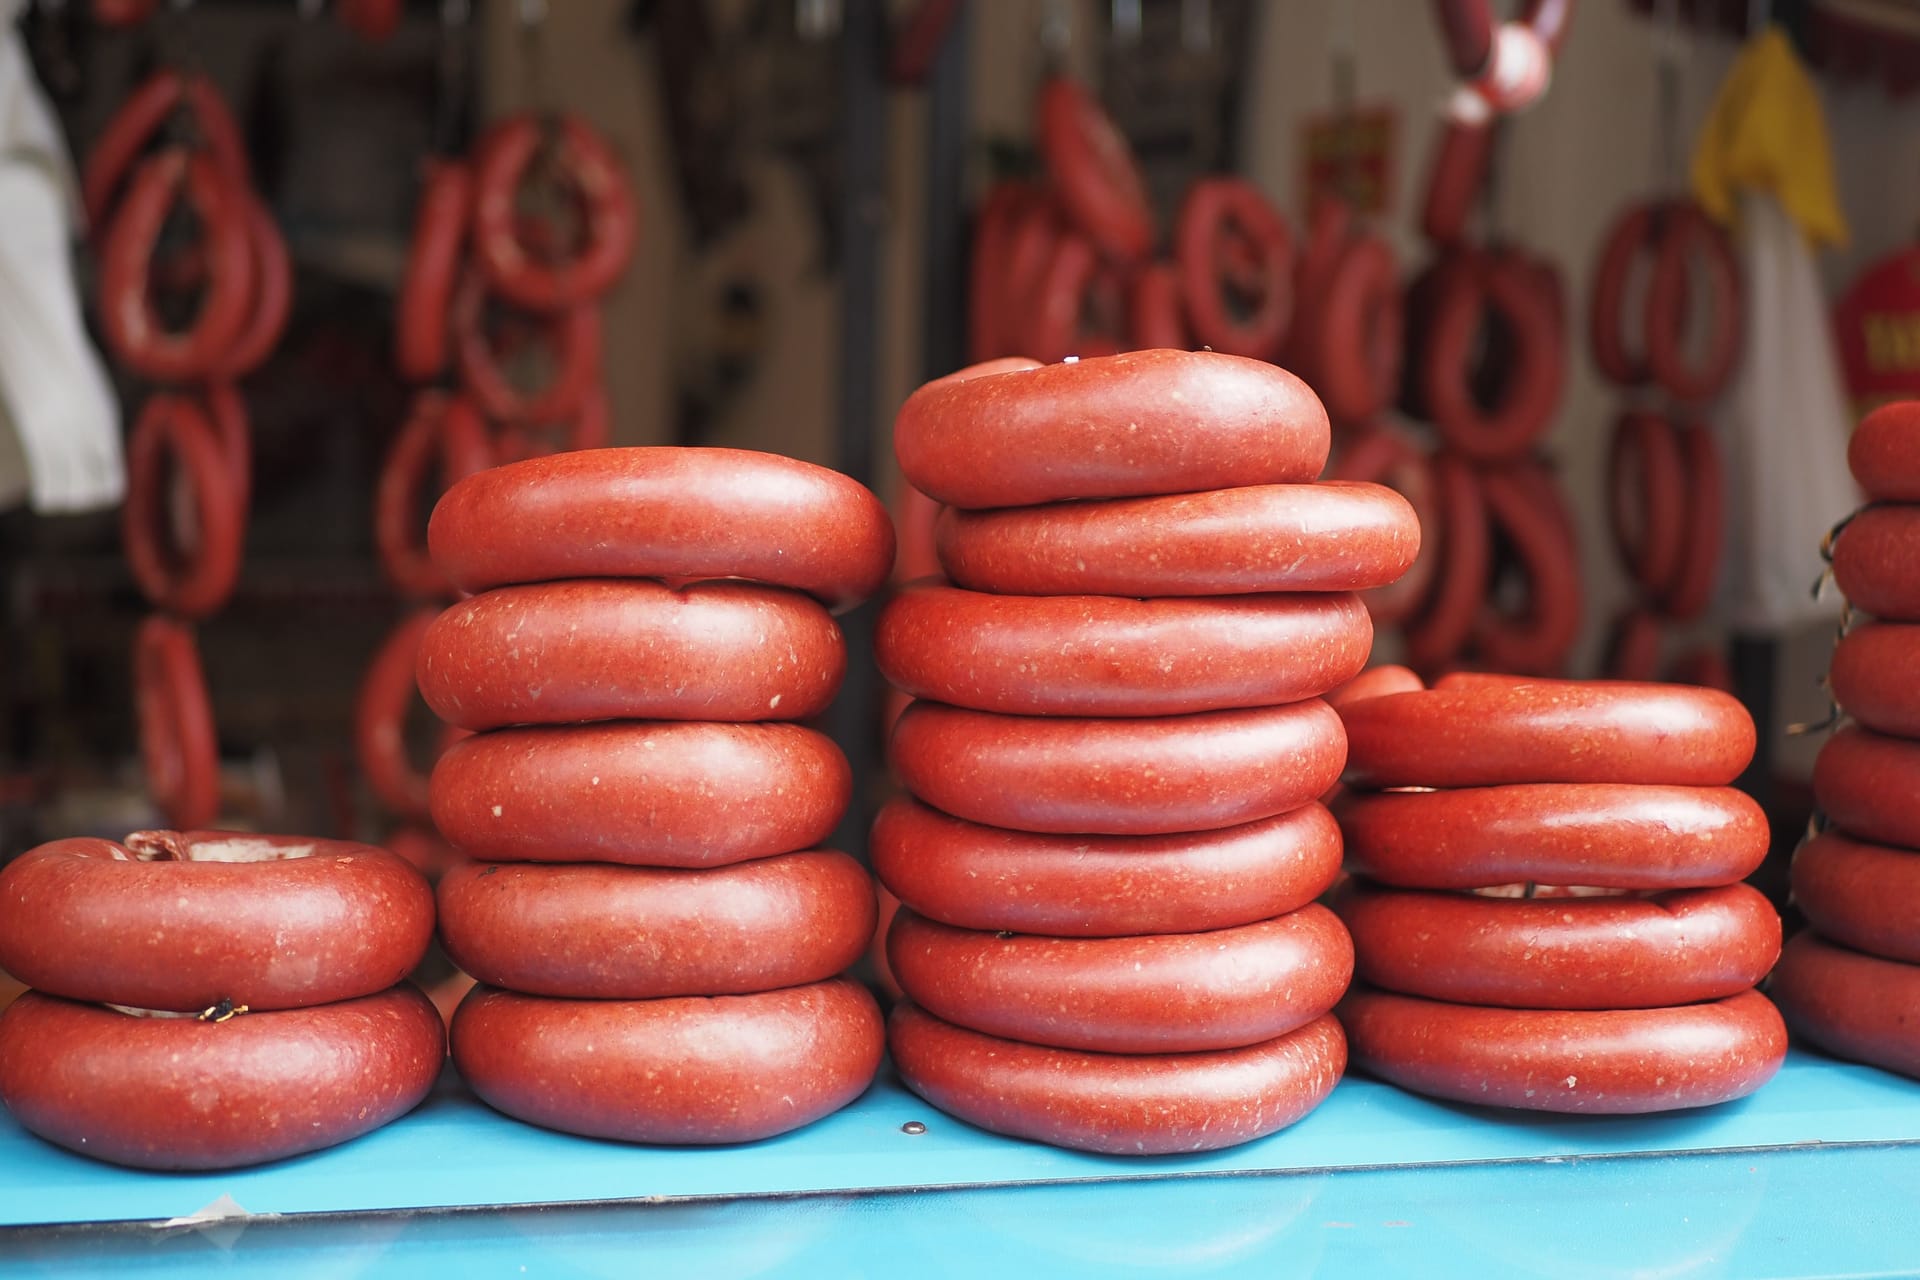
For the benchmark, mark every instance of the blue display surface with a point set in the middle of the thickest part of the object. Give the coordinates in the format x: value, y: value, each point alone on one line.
x: 454, y: 1152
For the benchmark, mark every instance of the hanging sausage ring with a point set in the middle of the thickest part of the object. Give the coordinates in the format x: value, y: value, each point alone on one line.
x: 1220, y: 217
x: 585, y: 166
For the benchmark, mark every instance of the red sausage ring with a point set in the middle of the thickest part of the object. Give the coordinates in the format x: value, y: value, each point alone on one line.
x: 440, y: 429
x: 611, y: 649
x: 1215, y: 212
x: 1471, y: 289
x: 1487, y: 732
x: 674, y: 1072
x: 1609, y: 835
x: 1117, y: 1104
x: 1117, y: 656
x: 1128, y: 426
x: 994, y: 223
x: 1454, y: 183
x: 1864, y: 895
x: 1158, y: 993
x: 665, y: 512
x: 1633, y: 648
x: 1687, y: 239
x: 197, y: 581
x: 433, y: 265
x: 1614, y: 952
x: 1375, y: 682
x: 1699, y: 568
x: 178, y: 1093
x: 587, y: 165
x: 1361, y: 320
x: 572, y: 335
x: 1385, y: 456
x: 1857, y: 1006
x: 1597, y: 1062
x: 178, y: 748
x: 1078, y: 307
x: 591, y: 931
x: 1439, y: 631
x: 192, y: 920
x: 1156, y: 316
x: 272, y: 294
x: 1329, y: 227
x: 1884, y: 453
x: 1633, y: 235
x: 590, y: 427
x: 1874, y: 559
x: 975, y: 877
x: 380, y: 714
x: 137, y: 122
x: 647, y: 794
x: 1871, y: 676
x: 1867, y: 782
x: 1526, y: 506
x: 1330, y: 536
x: 1647, y: 499
x: 1154, y: 776
x: 227, y: 413
x: 132, y: 329
x: 1094, y: 172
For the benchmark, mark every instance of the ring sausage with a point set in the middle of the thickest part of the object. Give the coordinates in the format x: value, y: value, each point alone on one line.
x: 1856, y: 1006
x: 1629, y: 240
x: 1127, y: 426
x: 1874, y: 559
x: 1633, y: 648
x: 1867, y: 782
x: 1215, y: 211
x: 1384, y: 456
x: 1093, y: 171
x: 1117, y: 1104
x: 186, y: 920
x: 665, y: 512
x: 1525, y: 504
x: 1077, y: 307
x: 1471, y: 291
x: 422, y: 849
x: 1331, y: 536
x: 1884, y: 453
x: 1454, y: 183
x: 1648, y: 499
x: 988, y: 318
x: 676, y: 1072
x: 227, y: 414
x: 636, y: 933
x: 975, y: 877
x: 1618, y: 837
x: 1690, y: 243
x: 272, y: 294
x: 1691, y: 590
x: 135, y: 332
x: 1866, y: 896
x: 195, y: 579
x: 433, y: 264
x: 1156, y: 317
x: 1117, y: 656
x: 1437, y: 634
x: 1597, y: 1062
x: 587, y: 167
x: 439, y: 429
x: 608, y: 649
x: 1614, y: 952
x: 572, y: 337
x: 1160, y: 993
x: 1118, y: 777
x: 178, y: 747
x: 1871, y: 676
x: 1361, y: 341
x: 380, y: 714
x: 1375, y: 682
x: 178, y: 1093
x: 589, y: 427
x: 1511, y: 730
x: 656, y: 795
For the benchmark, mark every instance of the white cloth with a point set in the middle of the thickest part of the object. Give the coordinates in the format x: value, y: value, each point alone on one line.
x: 1787, y: 478
x: 54, y: 393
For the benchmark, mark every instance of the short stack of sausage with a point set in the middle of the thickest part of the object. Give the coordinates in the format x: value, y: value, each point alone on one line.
x: 1110, y: 856
x: 656, y: 936
x: 1852, y: 985
x: 210, y: 999
x: 1547, y: 911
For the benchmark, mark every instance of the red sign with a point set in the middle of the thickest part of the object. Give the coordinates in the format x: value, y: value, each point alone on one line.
x: 1877, y: 326
x: 1350, y: 155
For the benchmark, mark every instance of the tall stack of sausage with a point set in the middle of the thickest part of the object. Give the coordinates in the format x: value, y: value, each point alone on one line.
x: 1663, y: 471
x: 1110, y: 854
x: 1852, y: 984
x: 208, y: 999
x: 656, y: 935
x: 490, y: 272
x: 1547, y: 911
x: 174, y: 143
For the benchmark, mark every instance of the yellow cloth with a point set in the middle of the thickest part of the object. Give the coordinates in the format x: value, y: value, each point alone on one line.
x: 1766, y: 132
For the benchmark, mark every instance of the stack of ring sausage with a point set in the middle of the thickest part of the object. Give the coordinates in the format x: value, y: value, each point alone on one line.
x: 1852, y: 983
x: 1664, y: 500
x: 657, y: 937
x: 1546, y: 904
x: 210, y: 999
x: 174, y: 145
x: 1110, y: 854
